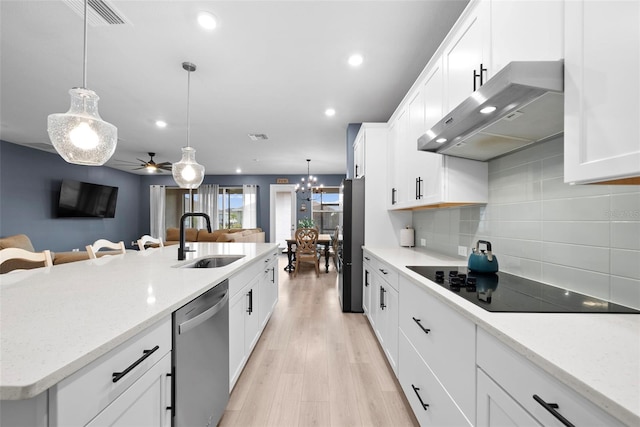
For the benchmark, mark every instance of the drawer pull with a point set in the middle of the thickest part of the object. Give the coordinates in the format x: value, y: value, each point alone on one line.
x: 117, y: 376
x: 383, y: 271
x: 425, y: 330
x: 416, y: 390
x: 551, y: 407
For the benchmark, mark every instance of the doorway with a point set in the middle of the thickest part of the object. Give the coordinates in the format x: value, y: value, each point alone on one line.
x: 282, y: 213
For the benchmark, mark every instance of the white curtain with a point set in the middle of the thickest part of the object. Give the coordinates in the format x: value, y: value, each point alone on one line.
x: 250, y: 206
x: 208, y: 203
x: 157, y: 197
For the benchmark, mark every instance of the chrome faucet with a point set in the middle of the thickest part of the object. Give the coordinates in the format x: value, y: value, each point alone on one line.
x: 181, y: 249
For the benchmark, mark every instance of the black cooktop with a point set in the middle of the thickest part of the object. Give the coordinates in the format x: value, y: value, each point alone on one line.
x: 503, y: 292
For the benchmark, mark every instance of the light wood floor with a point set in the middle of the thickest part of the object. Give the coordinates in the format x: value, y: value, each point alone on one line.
x: 316, y: 366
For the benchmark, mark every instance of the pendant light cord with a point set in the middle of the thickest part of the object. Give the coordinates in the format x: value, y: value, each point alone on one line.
x: 188, y: 104
x: 84, y: 65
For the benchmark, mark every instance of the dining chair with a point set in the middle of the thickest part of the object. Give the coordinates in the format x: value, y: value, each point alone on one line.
x: 335, y: 247
x: 116, y: 248
x: 39, y: 259
x: 148, y: 240
x: 306, y: 243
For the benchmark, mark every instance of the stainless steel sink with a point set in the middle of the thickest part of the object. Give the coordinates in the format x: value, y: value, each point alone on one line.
x: 213, y: 261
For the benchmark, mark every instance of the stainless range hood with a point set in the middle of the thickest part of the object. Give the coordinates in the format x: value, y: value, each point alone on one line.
x: 529, y: 107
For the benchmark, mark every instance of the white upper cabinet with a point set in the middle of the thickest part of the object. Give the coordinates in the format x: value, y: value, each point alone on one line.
x: 602, y: 91
x: 467, y: 56
x: 358, y: 156
x: 526, y: 31
x: 433, y: 95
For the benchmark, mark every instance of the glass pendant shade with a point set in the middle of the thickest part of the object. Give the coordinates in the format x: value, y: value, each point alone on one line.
x: 80, y: 136
x: 187, y: 172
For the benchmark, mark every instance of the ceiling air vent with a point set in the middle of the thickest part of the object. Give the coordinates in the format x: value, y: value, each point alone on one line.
x: 100, y: 12
x: 258, y: 136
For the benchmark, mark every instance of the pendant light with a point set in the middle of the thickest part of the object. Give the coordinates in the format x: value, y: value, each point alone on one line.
x: 80, y: 135
x: 309, y: 185
x: 187, y: 172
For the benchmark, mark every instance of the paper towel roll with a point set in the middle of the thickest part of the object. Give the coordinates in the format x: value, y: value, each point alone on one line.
x: 406, y: 237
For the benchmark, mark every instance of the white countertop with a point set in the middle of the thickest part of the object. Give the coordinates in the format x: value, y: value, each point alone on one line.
x: 597, y: 355
x: 55, y: 320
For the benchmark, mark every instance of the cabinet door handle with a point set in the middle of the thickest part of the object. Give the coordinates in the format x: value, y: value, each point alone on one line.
x: 416, y: 390
x: 393, y: 196
x: 117, y: 376
x: 382, y: 304
x: 551, y: 407
x: 482, y: 72
x: 426, y: 331
x: 273, y: 275
x: 356, y: 171
x: 250, y: 295
x: 478, y: 75
x: 366, y: 278
x: 475, y: 79
x: 419, y: 195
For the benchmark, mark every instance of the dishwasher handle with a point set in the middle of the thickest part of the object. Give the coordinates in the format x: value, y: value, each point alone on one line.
x: 185, y: 327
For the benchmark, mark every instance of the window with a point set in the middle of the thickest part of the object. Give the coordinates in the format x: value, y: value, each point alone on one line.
x: 230, y: 207
x: 326, y: 209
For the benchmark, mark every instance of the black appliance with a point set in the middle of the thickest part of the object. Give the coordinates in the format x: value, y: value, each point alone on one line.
x: 350, y: 253
x: 84, y: 199
x: 503, y: 292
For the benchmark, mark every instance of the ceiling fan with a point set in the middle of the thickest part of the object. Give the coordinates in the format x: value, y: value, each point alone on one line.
x: 153, y: 167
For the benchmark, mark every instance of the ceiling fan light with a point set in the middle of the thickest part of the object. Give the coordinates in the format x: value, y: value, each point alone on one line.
x: 80, y: 135
x: 187, y: 172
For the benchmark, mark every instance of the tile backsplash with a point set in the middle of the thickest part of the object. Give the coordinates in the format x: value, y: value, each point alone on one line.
x: 581, y: 237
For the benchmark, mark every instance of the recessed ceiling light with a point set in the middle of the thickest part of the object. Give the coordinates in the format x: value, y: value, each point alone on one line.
x: 355, y: 60
x: 441, y: 140
x: 207, y: 20
x: 161, y: 123
x: 488, y: 110
x: 238, y: 170
x: 330, y: 112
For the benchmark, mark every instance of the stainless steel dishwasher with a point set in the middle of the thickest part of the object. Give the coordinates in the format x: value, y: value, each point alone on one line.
x: 201, y: 359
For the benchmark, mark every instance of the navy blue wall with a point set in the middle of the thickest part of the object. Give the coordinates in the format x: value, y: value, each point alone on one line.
x: 30, y: 184
x: 262, y: 181
x: 29, y: 188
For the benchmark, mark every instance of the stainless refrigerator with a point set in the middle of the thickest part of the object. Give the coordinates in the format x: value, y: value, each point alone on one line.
x: 350, y: 253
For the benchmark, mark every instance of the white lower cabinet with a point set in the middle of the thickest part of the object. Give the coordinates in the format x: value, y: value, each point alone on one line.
x: 254, y: 295
x: 444, y: 339
x: 146, y: 403
x: 496, y: 408
x: 384, y: 309
x: 430, y: 402
x: 244, y: 328
x: 268, y: 288
x: 543, y: 397
x: 95, y: 395
x: 366, y: 287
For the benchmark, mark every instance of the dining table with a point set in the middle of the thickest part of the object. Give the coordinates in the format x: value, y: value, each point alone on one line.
x: 323, y: 239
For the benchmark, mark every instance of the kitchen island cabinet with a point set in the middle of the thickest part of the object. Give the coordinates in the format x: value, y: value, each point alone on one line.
x: 512, y: 355
x: 62, y: 334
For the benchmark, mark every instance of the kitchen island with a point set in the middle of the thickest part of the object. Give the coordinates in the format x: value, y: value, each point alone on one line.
x: 594, y: 357
x: 57, y: 320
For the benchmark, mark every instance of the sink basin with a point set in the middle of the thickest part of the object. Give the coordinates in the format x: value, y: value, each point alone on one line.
x: 214, y: 261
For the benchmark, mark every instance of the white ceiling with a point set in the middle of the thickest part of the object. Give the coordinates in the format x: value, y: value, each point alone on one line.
x: 269, y: 67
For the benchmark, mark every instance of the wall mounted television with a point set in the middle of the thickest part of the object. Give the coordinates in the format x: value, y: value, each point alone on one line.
x: 86, y: 200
